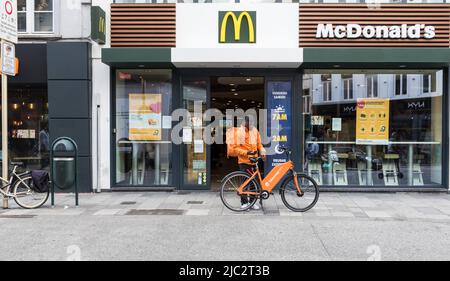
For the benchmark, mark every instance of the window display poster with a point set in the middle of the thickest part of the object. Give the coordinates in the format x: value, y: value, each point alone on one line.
x: 187, y: 135
x: 317, y: 120
x: 167, y: 122
x: 337, y: 124
x: 198, y: 146
x: 280, y: 107
x: 145, y: 117
x: 372, y: 121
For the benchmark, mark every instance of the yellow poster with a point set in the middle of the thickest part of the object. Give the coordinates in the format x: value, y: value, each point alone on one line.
x: 372, y: 121
x: 145, y: 117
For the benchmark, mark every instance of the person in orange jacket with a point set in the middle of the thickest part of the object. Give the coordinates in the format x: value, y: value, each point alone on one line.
x: 248, y: 145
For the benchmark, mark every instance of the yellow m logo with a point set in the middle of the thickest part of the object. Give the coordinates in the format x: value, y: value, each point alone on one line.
x: 237, y: 24
x: 101, y: 25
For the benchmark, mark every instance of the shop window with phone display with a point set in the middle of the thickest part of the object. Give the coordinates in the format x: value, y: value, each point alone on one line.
x: 390, y: 134
x: 142, y: 127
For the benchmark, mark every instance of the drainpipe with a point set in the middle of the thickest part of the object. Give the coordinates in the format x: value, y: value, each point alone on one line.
x: 99, y: 189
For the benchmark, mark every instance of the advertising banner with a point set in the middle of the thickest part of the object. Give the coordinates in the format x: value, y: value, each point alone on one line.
x: 279, y: 106
x: 372, y: 121
x: 145, y: 117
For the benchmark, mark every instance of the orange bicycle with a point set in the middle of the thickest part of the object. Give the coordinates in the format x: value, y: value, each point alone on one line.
x: 299, y: 192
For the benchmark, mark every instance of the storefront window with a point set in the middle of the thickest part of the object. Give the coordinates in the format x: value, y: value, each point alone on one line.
x: 28, y: 130
x: 142, y: 134
x: 385, y: 130
x: 195, y: 166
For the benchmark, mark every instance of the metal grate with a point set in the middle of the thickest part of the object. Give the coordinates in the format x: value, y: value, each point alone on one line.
x: 155, y: 212
x: 195, y: 202
x: 128, y: 203
x: 17, y: 216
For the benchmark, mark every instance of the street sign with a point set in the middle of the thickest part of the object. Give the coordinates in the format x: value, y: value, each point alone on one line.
x: 98, y: 25
x: 8, y: 64
x: 8, y: 20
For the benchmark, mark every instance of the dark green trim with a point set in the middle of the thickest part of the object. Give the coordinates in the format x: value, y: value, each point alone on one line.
x: 375, y: 57
x: 98, y: 25
x: 135, y: 57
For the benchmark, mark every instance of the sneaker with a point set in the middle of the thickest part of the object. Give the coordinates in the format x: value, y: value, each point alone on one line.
x: 244, y: 206
x: 256, y: 207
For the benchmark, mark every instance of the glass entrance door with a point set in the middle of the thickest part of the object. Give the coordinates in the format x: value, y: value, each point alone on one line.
x: 196, y: 157
x: 141, y: 135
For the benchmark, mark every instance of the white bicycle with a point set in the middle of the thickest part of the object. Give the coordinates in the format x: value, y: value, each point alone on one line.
x: 20, y: 188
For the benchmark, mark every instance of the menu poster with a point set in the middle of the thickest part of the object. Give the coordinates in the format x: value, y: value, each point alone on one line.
x: 372, y: 121
x: 145, y: 117
x: 280, y: 108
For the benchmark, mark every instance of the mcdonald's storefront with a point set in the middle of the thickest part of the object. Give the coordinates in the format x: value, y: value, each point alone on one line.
x: 360, y: 95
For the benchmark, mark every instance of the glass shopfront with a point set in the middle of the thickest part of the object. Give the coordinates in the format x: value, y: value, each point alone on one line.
x: 28, y: 130
x: 374, y: 128
x: 195, y: 164
x: 143, y: 148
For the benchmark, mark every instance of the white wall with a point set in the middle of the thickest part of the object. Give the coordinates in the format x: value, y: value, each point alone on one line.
x: 101, y: 95
x: 74, y: 19
x: 197, y: 33
x: 276, y: 25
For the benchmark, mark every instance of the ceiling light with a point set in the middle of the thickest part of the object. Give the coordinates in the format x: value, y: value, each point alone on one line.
x: 248, y: 79
x: 236, y: 94
x: 233, y: 90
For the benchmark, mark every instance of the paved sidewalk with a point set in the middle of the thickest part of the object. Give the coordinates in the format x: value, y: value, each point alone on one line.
x: 195, y: 226
x: 365, y: 206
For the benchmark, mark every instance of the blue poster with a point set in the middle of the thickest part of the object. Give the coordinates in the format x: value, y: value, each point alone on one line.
x: 279, y: 121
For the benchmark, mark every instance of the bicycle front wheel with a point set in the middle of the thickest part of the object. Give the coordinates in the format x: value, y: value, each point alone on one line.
x: 26, y: 197
x: 230, y: 195
x: 300, y: 201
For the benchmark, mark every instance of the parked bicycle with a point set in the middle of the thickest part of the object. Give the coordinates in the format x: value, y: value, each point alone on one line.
x: 299, y: 192
x: 20, y: 187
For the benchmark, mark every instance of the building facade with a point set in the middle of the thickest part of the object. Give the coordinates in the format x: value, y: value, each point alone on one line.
x: 52, y: 94
x: 359, y: 89
x: 318, y: 66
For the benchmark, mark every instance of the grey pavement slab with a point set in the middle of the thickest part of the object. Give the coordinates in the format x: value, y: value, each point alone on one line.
x: 196, y: 226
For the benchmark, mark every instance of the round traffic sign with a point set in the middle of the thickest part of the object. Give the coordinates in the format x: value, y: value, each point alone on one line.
x: 9, y: 7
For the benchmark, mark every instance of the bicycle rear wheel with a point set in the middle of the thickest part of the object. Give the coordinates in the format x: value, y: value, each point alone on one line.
x: 300, y: 202
x: 229, y: 192
x: 26, y: 197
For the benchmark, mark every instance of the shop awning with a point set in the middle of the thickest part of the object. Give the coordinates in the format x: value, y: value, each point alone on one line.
x: 375, y: 57
x: 137, y: 57
x: 278, y: 58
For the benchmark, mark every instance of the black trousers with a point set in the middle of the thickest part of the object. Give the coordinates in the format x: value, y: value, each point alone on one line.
x: 250, y: 170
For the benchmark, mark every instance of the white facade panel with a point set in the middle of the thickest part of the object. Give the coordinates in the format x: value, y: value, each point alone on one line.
x: 261, y: 58
x: 276, y: 25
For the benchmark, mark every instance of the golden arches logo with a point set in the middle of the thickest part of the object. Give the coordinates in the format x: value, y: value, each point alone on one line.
x: 237, y: 24
x: 101, y: 25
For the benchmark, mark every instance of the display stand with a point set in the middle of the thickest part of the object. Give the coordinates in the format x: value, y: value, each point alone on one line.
x: 390, y: 169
